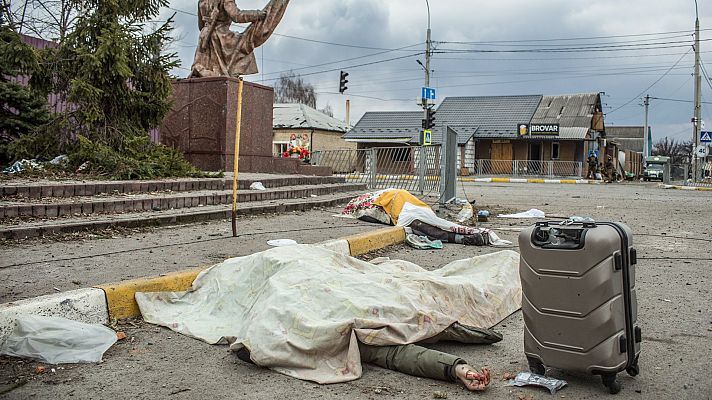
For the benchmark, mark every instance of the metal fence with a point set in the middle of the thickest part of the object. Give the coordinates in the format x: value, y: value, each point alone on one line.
x: 385, y: 167
x: 527, y: 168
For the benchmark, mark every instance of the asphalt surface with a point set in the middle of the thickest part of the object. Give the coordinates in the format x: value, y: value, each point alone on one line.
x: 672, y: 232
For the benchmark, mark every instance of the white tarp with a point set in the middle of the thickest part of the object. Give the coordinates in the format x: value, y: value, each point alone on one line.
x: 533, y: 213
x: 301, y: 309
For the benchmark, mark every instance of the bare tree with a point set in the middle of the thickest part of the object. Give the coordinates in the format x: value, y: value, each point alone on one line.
x: 46, y: 19
x: 328, y: 110
x: 679, y: 152
x: 291, y: 88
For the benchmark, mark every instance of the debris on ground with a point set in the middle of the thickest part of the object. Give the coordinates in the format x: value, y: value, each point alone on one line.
x: 281, y: 242
x: 422, y: 242
x: 533, y: 213
x: 466, y: 213
x: 120, y: 335
x: 508, y: 376
x: 257, y: 186
x: 440, y: 395
x: 56, y: 340
x: 399, y: 207
x: 530, y: 379
x: 39, y: 369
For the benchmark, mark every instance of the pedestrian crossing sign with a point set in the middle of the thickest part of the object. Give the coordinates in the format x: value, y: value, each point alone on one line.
x: 427, y: 137
x: 705, y: 137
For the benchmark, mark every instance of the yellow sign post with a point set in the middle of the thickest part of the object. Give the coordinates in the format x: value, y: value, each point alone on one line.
x: 238, y: 121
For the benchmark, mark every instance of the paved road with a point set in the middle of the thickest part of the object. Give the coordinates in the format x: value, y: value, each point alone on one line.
x: 675, y: 307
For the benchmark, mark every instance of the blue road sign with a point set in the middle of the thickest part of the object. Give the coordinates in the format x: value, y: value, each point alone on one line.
x: 706, y: 137
x: 427, y: 93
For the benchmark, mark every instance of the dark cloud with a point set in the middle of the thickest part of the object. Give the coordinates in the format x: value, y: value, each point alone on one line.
x: 394, y: 85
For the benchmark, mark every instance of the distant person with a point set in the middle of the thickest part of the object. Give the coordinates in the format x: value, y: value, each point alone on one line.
x: 609, y: 169
x: 592, y: 164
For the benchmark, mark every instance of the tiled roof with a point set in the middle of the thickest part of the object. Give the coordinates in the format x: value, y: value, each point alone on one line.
x: 491, y: 116
x: 300, y: 116
x: 388, y: 125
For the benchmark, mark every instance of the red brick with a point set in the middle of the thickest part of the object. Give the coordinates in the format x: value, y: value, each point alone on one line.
x: 52, y: 210
x: 64, y: 209
x: 35, y: 192
x: 39, y: 210
x: 11, y: 212
x: 76, y: 208
x: 88, y: 208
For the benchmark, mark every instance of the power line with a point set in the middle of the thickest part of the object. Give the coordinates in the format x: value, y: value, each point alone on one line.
x: 580, y: 49
x: 689, y: 32
x: 651, y: 85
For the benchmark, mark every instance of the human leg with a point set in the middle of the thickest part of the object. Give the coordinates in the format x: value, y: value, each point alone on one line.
x: 434, y: 233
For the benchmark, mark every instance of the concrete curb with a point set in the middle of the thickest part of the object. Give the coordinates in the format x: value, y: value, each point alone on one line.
x: 110, y: 301
x: 677, y: 187
x: 531, y: 180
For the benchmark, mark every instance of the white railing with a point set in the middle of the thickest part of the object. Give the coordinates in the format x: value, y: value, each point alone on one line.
x: 526, y: 168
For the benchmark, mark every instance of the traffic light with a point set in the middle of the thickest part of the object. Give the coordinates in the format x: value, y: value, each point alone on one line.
x: 343, y: 81
x: 429, y: 118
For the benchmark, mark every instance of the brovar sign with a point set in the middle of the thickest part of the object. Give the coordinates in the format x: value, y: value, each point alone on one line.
x: 544, y: 129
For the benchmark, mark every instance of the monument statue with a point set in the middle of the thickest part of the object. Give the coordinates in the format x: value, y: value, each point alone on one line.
x: 222, y: 52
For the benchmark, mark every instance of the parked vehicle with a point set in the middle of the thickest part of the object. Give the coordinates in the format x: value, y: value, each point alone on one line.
x: 655, y: 168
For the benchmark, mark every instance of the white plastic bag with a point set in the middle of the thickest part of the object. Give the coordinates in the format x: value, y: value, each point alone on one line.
x: 466, y: 213
x: 257, y: 186
x: 57, y: 340
x: 282, y: 242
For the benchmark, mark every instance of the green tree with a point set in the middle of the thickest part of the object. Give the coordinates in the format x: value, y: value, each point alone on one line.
x: 112, y: 70
x: 22, y: 108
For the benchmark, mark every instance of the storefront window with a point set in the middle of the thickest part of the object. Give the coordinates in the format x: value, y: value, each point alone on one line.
x: 555, y: 150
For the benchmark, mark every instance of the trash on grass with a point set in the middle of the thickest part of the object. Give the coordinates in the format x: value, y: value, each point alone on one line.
x: 56, y: 340
x: 257, y: 186
x: 19, y: 166
x: 281, y: 242
x: 529, y: 379
x: 422, y: 242
x: 60, y: 159
x: 533, y: 213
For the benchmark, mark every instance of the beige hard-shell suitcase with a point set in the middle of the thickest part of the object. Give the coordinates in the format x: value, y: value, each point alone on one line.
x: 579, y: 301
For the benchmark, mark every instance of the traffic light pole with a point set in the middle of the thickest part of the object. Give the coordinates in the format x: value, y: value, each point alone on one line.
x: 422, y: 160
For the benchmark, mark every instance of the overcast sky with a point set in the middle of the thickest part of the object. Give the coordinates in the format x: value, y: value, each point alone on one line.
x: 612, y: 46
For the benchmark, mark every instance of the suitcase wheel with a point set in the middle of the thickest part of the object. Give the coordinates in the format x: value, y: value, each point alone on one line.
x: 633, y: 369
x: 609, y: 381
x: 536, y: 366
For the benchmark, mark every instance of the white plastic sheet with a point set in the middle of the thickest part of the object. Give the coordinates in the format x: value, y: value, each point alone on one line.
x: 301, y: 310
x: 56, y: 340
x: 533, y: 213
x: 257, y: 186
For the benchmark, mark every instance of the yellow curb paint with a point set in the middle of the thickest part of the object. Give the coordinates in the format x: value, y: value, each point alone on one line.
x: 535, y: 180
x: 120, y: 296
x: 363, y: 243
x: 568, y: 181
x: 500, y: 180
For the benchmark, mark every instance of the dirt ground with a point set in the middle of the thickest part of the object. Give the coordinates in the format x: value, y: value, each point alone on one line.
x: 673, y: 233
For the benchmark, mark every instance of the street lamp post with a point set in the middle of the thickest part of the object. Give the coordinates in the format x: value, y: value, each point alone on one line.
x: 697, y: 119
x: 422, y: 162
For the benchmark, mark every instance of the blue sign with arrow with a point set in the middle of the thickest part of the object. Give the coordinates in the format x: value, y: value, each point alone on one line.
x: 427, y: 93
x: 705, y: 137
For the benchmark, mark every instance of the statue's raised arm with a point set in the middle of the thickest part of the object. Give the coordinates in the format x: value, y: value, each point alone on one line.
x: 222, y: 52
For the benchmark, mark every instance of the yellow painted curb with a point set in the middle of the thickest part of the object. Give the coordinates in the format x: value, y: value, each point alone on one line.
x: 569, y: 181
x: 500, y: 180
x: 363, y: 243
x: 120, y: 296
x: 535, y: 180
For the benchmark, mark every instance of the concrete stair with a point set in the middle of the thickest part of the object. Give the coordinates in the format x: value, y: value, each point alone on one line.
x: 46, y: 208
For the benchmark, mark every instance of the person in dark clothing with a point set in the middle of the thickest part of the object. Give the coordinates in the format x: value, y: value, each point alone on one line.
x: 416, y: 360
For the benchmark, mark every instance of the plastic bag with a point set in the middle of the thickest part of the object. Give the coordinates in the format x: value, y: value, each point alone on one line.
x: 57, y: 340
x: 257, y: 186
x: 529, y: 379
x: 466, y: 213
x: 422, y: 242
x: 282, y: 242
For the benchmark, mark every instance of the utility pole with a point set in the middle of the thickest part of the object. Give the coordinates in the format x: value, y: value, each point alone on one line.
x: 646, y: 150
x: 423, y: 163
x: 697, y: 119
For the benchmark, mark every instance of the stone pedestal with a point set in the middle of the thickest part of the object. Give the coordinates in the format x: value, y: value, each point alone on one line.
x: 202, y: 123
